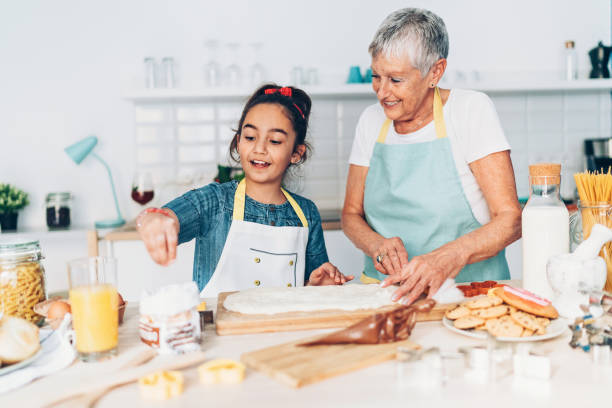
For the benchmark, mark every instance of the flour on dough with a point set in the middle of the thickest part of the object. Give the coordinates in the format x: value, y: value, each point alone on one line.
x: 309, y: 298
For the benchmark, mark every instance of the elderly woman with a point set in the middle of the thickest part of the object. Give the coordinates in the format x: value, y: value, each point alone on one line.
x: 430, y: 192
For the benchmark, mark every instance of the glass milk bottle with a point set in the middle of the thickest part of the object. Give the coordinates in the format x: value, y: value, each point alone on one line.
x: 545, y: 226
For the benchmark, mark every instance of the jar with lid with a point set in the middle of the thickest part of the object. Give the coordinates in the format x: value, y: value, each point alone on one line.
x: 571, y: 61
x: 22, y: 278
x: 545, y: 225
x: 58, y: 210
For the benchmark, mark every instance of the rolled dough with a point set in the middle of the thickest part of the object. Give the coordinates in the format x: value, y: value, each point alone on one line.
x: 309, y: 298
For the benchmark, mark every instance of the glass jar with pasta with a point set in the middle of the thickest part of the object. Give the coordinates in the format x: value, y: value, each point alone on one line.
x: 22, y: 278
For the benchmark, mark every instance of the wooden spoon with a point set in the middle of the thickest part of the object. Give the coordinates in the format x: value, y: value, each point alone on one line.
x: 91, y: 394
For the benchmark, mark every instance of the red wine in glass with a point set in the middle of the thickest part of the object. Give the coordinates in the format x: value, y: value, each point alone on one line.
x: 142, y: 187
x: 142, y: 197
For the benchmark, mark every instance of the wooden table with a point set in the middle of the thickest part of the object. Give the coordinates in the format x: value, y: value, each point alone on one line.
x: 575, y: 381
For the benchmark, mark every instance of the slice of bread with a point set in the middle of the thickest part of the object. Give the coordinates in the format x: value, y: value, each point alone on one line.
x: 18, y: 339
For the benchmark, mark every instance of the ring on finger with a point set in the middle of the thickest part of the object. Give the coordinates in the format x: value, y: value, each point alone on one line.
x: 380, y: 257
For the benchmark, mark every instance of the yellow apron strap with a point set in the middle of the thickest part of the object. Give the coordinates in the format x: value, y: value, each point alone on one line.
x: 239, y: 201
x: 382, y: 135
x: 296, y: 208
x: 367, y: 280
x: 239, y: 204
x: 438, y: 115
x: 438, y: 120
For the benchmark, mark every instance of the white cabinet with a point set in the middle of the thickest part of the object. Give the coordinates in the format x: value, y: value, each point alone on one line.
x: 342, y: 253
x: 514, y: 256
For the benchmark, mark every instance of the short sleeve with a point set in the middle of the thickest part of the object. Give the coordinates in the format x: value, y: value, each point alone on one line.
x: 364, y: 141
x: 483, y: 133
x: 196, y: 211
x: 316, y: 252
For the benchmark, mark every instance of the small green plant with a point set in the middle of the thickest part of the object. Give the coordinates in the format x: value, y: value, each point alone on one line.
x: 12, y: 199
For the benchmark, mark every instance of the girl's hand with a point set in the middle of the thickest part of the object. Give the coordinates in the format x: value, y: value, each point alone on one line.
x: 389, y: 256
x: 424, y: 273
x: 159, y: 232
x: 327, y: 274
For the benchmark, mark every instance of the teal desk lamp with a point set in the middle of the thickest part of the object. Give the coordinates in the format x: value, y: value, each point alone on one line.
x: 77, y: 153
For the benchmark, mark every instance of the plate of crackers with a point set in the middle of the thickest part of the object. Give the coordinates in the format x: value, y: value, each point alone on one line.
x: 508, y: 314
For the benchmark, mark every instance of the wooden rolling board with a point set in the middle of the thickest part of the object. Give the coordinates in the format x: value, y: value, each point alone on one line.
x: 298, y: 366
x: 228, y: 322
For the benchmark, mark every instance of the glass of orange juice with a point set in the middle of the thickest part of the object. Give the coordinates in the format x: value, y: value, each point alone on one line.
x: 94, y: 303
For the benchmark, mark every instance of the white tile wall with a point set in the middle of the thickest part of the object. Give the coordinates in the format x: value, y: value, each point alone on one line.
x: 187, y: 139
x: 551, y: 126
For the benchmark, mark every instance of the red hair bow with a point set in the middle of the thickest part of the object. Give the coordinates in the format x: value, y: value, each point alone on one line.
x: 285, y: 91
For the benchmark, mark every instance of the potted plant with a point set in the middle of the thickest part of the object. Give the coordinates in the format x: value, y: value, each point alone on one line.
x: 11, y: 200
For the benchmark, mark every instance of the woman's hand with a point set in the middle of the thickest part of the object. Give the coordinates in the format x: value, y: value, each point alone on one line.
x: 425, y: 273
x: 328, y: 274
x: 159, y: 232
x: 389, y: 256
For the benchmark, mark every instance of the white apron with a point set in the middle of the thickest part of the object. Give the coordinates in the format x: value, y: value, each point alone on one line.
x: 257, y: 255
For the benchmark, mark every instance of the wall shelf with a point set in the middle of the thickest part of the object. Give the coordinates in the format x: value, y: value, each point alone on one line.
x: 364, y: 90
x: 43, y: 233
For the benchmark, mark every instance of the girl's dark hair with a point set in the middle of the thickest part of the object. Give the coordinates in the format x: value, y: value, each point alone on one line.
x: 297, y: 108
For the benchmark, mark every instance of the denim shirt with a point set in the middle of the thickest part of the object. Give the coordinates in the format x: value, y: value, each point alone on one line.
x: 206, y: 215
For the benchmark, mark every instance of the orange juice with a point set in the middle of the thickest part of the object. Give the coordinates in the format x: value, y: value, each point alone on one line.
x: 95, y: 317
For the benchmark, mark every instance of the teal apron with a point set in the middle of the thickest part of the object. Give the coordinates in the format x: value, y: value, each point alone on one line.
x: 413, y: 191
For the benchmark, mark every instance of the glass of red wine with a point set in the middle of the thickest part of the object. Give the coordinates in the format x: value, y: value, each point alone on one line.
x: 142, y: 187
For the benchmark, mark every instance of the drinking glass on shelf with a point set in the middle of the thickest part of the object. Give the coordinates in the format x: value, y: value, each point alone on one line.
x: 150, y: 67
x: 168, y: 68
x: 257, y: 72
x: 142, y: 187
x: 211, y: 68
x: 94, y: 304
x: 296, y: 76
x: 233, y: 74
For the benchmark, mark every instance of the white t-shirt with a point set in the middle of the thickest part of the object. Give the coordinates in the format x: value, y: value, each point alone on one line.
x: 473, y: 130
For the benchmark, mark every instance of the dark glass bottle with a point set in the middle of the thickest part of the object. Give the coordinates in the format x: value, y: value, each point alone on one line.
x: 58, y: 210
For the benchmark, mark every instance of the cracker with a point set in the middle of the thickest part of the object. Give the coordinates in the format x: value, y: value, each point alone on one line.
x: 503, y: 328
x: 496, y: 299
x: 480, y: 303
x: 543, y: 321
x: 456, y: 313
x: 468, y: 322
x: 527, y: 333
x: 526, y: 320
x: 490, y: 312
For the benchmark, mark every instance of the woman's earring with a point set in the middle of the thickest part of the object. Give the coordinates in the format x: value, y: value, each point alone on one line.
x: 433, y: 85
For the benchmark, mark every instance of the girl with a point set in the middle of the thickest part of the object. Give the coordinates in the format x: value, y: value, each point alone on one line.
x: 252, y: 233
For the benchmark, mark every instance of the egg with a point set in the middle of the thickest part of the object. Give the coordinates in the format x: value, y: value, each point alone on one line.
x: 58, y: 309
x: 121, y: 308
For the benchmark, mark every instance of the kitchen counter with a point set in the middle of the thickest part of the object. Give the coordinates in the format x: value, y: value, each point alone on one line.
x: 575, y: 379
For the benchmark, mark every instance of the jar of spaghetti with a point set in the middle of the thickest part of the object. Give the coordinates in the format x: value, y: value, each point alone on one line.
x: 22, y: 278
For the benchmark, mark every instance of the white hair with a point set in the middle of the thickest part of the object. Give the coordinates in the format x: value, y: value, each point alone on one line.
x: 415, y: 33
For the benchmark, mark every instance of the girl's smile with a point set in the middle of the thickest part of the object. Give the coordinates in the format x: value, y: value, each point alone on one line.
x: 267, y: 145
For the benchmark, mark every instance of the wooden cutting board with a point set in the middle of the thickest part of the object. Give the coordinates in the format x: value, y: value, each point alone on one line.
x: 298, y: 366
x: 228, y: 322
